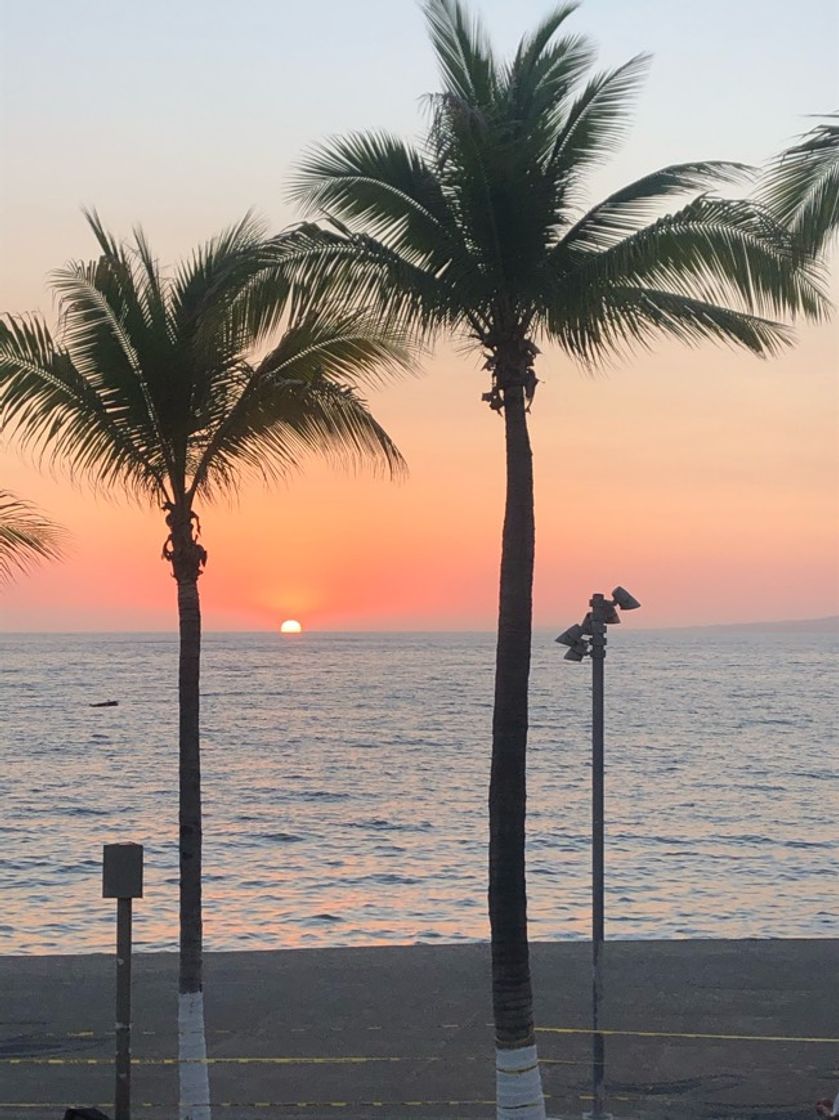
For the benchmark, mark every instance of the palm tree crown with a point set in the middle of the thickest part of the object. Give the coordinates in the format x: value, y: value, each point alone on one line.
x: 481, y: 229
x: 157, y: 383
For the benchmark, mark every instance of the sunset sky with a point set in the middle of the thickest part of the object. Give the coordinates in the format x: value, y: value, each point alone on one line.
x: 703, y: 480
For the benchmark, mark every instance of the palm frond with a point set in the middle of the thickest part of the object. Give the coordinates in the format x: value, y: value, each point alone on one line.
x: 625, y: 210
x: 463, y: 52
x: 380, y: 182
x: 540, y: 79
x: 597, y: 120
x: 108, y: 311
x: 593, y: 325
x: 801, y: 187
x: 48, y: 404
x: 27, y: 537
x: 715, y: 250
x: 302, y: 400
x: 353, y: 350
x: 204, y: 285
x: 154, y: 293
x: 531, y: 51
x: 339, y: 268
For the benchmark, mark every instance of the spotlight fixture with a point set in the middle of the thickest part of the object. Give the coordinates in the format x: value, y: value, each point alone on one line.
x: 624, y: 600
x: 572, y: 635
x: 579, y: 649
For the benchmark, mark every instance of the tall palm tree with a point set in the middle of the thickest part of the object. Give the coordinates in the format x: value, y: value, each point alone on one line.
x: 171, y: 387
x: 480, y: 231
x: 801, y: 186
x: 26, y: 536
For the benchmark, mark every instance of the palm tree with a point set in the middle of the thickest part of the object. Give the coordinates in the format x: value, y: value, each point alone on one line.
x: 801, y: 187
x: 26, y: 537
x: 479, y: 231
x: 166, y: 387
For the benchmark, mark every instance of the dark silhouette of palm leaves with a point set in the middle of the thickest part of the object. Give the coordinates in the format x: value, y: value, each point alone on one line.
x: 27, y: 537
x: 801, y: 186
x: 159, y: 384
x: 482, y: 225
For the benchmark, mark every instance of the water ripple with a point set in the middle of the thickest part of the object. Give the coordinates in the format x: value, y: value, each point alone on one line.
x: 340, y: 815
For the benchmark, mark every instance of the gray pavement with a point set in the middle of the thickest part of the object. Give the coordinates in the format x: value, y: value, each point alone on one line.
x: 704, y: 1029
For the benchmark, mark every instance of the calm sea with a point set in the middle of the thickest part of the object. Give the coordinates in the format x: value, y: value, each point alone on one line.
x: 345, y: 785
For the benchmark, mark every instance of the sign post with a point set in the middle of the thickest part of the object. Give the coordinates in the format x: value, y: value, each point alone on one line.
x: 122, y: 879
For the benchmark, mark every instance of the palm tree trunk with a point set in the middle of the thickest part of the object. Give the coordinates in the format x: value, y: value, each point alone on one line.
x: 518, y: 1082
x: 187, y: 559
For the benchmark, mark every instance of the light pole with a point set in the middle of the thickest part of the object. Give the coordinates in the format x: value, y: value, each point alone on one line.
x: 589, y: 639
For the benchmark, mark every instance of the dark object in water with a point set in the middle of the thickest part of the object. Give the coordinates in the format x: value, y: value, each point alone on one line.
x: 84, y: 1114
x: 105, y: 704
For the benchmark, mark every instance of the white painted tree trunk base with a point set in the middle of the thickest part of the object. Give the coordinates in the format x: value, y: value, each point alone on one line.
x: 193, y: 1076
x: 518, y: 1085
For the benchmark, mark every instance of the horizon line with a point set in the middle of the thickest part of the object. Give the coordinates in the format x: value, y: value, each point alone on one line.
x: 825, y: 621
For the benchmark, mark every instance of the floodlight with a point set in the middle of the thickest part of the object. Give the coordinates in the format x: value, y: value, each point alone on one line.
x: 586, y: 627
x: 580, y: 649
x: 571, y: 635
x: 624, y: 600
x: 573, y: 654
x: 612, y: 616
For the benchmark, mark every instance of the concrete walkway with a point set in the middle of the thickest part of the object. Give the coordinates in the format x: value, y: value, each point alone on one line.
x: 704, y: 1029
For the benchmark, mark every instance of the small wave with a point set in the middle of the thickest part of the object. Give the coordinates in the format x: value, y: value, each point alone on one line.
x: 82, y: 811
x: 280, y: 837
x: 388, y: 879
x: 379, y: 824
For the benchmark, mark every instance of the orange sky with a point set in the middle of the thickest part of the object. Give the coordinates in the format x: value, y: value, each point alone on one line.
x: 704, y: 481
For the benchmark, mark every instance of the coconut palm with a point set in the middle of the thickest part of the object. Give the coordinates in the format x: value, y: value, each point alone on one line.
x: 26, y: 537
x: 172, y: 387
x: 801, y: 186
x: 480, y: 232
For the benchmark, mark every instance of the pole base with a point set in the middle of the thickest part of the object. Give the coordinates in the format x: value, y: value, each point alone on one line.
x: 597, y: 1116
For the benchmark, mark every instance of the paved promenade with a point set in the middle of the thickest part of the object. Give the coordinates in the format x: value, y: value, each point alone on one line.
x: 701, y: 1029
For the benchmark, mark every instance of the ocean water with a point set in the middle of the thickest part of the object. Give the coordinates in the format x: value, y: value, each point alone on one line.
x: 345, y: 780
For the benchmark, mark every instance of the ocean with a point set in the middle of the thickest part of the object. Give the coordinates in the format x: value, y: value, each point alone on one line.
x: 345, y: 783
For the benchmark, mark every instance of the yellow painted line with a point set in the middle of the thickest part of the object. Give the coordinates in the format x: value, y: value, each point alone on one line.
x: 106, y: 1036
x: 685, y: 1034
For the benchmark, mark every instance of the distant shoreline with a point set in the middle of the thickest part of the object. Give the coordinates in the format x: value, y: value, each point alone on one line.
x: 828, y: 624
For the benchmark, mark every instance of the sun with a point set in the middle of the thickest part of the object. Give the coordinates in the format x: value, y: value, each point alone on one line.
x: 291, y: 626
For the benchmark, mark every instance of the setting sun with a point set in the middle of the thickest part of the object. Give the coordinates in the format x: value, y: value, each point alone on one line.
x: 291, y: 626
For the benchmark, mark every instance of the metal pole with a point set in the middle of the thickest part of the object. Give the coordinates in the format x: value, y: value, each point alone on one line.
x: 122, y: 879
x: 598, y: 657
x: 122, y: 1095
